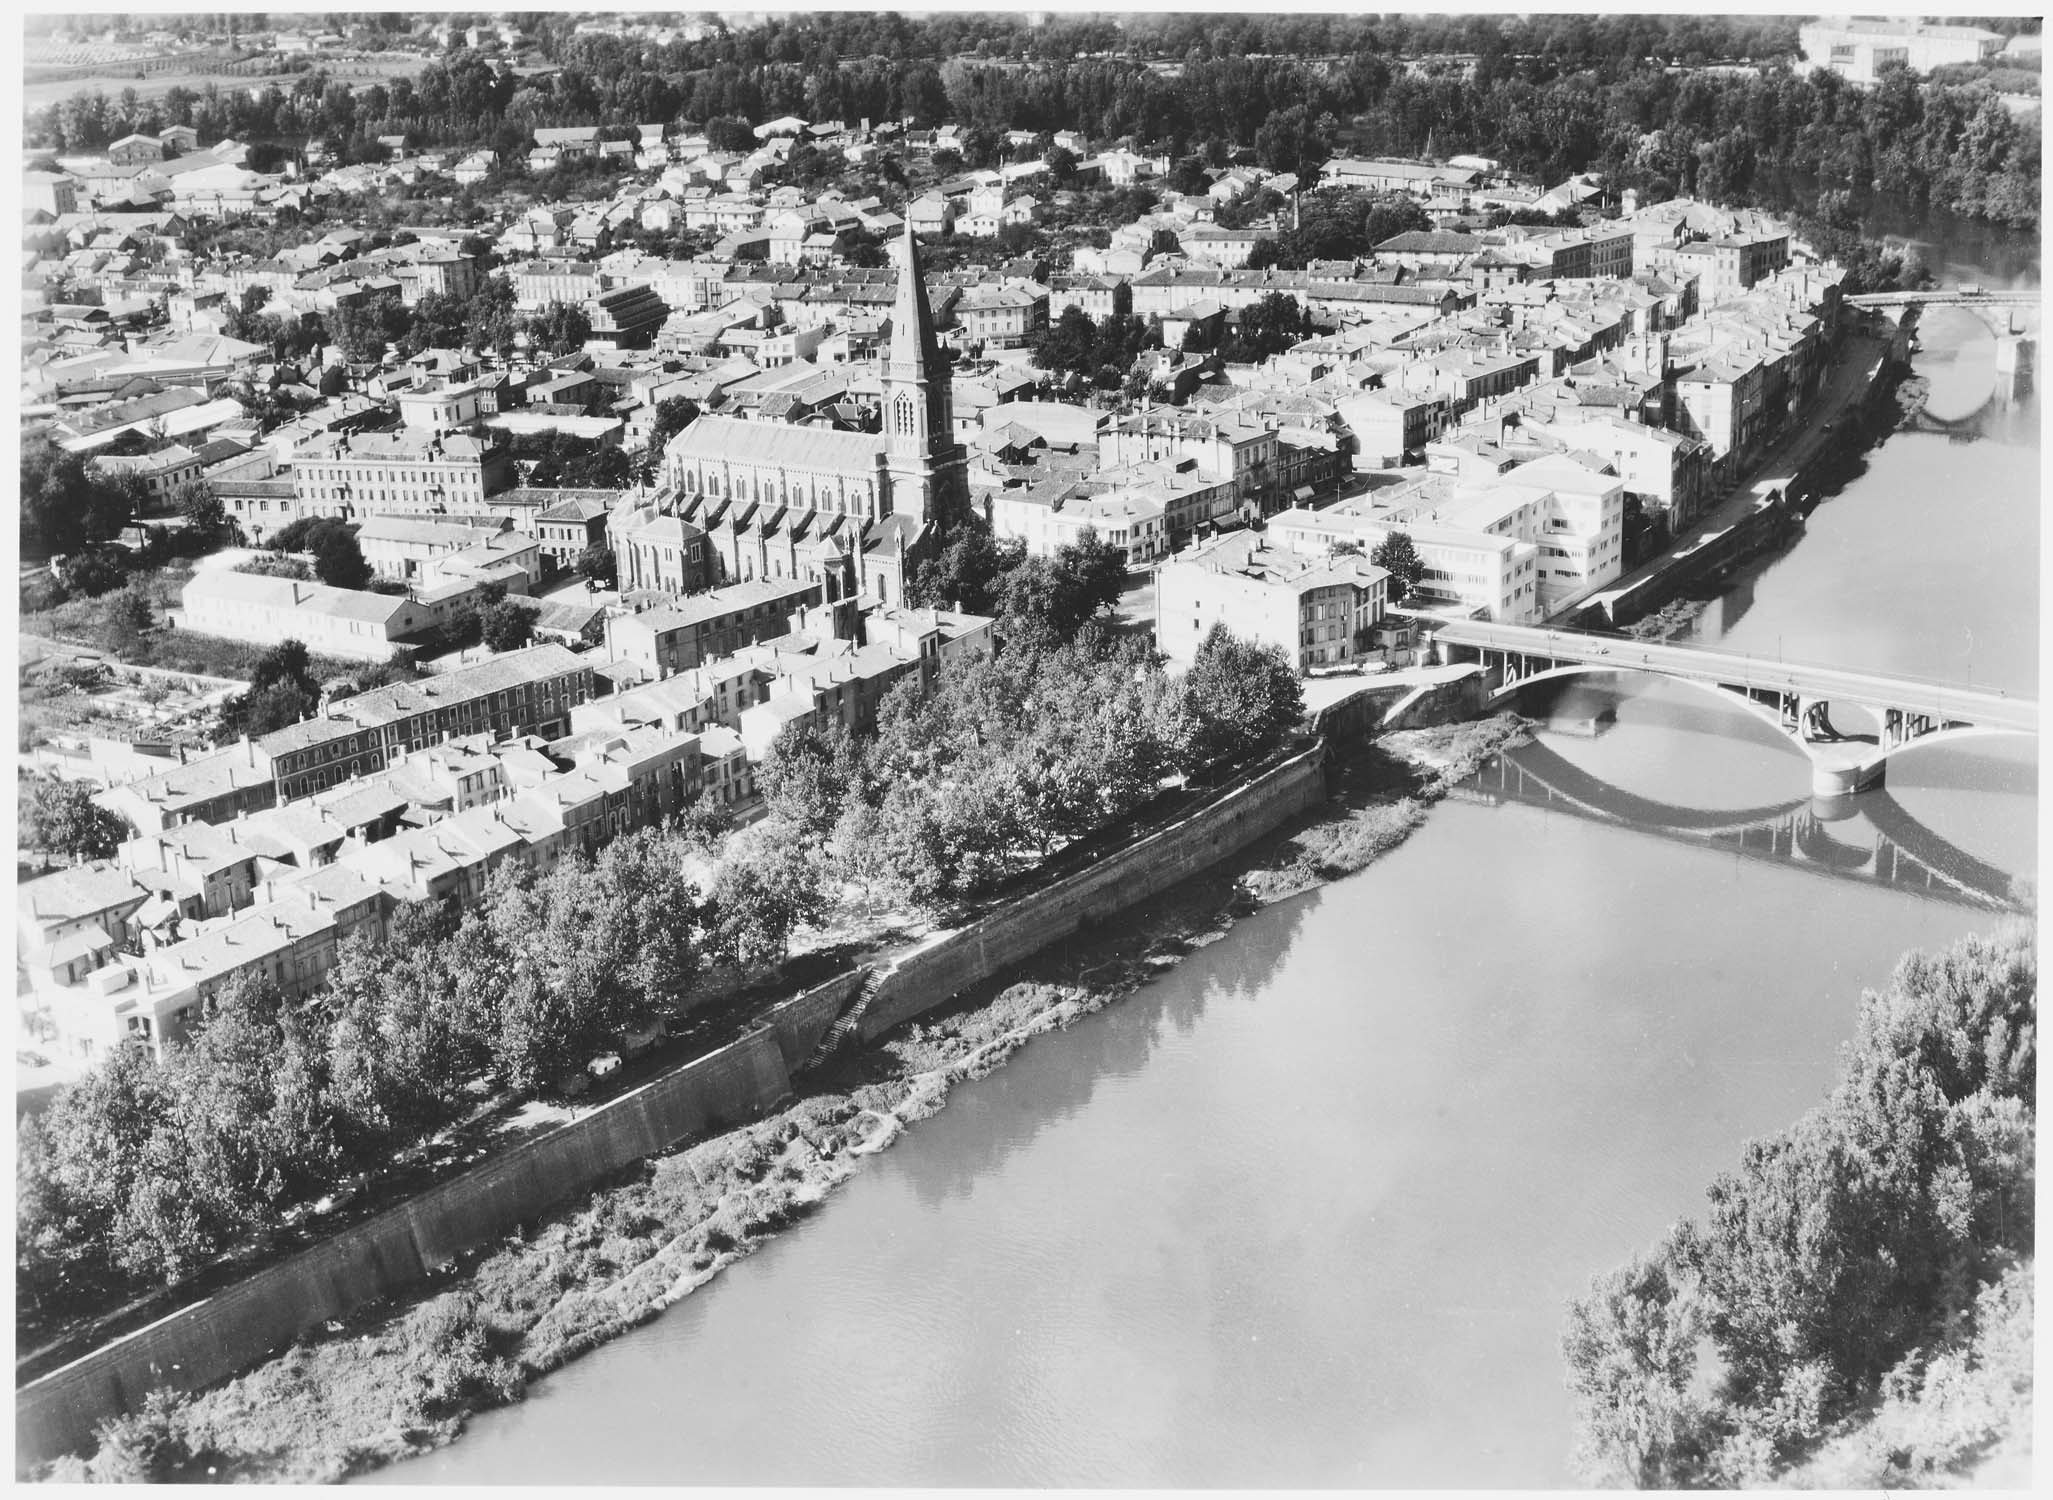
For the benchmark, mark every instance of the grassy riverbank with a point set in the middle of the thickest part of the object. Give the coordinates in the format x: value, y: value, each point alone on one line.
x: 401, y: 1378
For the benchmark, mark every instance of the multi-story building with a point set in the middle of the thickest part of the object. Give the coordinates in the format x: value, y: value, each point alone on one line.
x: 1319, y: 607
x: 1465, y: 378
x: 67, y: 923
x: 444, y: 273
x: 1227, y: 448
x: 440, y: 406
x: 1048, y: 517
x: 537, y: 283
x: 1392, y: 427
x: 570, y: 523
x: 1467, y: 572
x: 153, y: 1000
x: 1001, y: 317
x: 1667, y: 473
x: 398, y: 547
x: 1428, y: 250
x: 399, y: 474
x: 52, y: 192
x: 1574, y: 514
x: 1859, y: 50
x: 1100, y: 296
x: 531, y: 691
x: 1208, y: 244
x: 203, y: 869
x: 656, y: 552
x: 627, y: 317
x: 163, y: 472
x: 1722, y: 400
x: 1729, y: 265
x: 1419, y: 179
x: 204, y: 789
x: 675, y: 638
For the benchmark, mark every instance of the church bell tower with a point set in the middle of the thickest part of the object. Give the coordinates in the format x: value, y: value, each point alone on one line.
x: 928, y: 468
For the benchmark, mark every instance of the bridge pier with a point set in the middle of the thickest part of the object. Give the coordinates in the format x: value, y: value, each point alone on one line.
x: 1833, y: 809
x: 2014, y: 356
x: 1833, y: 782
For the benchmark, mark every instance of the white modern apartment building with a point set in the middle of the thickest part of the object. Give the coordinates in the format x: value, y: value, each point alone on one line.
x: 1467, y: 572
x: 1858, y: 49
x: 1134, y: 523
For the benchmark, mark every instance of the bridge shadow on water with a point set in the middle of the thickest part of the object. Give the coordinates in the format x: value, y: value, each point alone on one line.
x: 1870, y: 837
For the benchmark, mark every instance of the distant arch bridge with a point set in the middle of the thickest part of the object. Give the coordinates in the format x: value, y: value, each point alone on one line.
x: 2005, y: 311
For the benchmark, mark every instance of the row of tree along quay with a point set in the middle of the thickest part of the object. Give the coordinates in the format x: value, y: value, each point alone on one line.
x: 136, y: 1176
x: 1855, y: 1310
x: 401, y: 1378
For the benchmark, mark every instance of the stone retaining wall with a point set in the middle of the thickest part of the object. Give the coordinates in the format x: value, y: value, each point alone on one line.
x: 266, y: 1311
x: 394, y: 1250
x: 938, y: 973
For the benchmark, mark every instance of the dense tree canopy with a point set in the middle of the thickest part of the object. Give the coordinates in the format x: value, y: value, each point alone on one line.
x: 1098, y: 352
x: 282, y: 691
x: 61, y: 818
x: 1546, y: 93
x: 63, y: 506
x: 507, y: 624
x: 1398, y: 556
x: 1842, y: 1254
x: 1043, y: 599
x: 362, y: 330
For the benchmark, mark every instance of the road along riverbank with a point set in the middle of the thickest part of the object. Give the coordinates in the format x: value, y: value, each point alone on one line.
x: 400, y: 1376
x: 1766, y: 508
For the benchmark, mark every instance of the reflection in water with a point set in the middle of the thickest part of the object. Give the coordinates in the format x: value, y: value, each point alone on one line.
x: 1306, y: 1221
x: 1128, y: 1035
x: 1869, y: 837
x: 1307, y: 1209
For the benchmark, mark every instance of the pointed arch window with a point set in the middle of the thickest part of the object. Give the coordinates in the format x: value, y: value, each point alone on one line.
x: 904, y: 423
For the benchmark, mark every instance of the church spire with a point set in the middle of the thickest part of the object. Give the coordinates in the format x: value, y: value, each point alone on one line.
x: 927, y: 467
x: 913, y: 349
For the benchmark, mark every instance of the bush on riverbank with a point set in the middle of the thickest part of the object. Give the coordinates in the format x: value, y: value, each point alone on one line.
x: 1381, y: 791
x: 1842, y: 1278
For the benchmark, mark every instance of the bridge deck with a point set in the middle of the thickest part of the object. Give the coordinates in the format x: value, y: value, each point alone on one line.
x: 2009, y: 298
x: 1995, y: 710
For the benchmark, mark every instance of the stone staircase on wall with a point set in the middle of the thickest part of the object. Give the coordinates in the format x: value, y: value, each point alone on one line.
x: 849, y: 1021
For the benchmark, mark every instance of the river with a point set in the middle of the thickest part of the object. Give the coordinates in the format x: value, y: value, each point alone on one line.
x: 1307, y: 1209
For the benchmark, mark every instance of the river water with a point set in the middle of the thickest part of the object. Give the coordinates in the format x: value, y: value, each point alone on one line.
x: 1307, y: 1209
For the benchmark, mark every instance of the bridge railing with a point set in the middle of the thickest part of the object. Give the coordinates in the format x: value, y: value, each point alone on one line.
x: 1570, y: 642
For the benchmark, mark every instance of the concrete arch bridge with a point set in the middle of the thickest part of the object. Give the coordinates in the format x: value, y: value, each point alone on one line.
x: 1795, y: 699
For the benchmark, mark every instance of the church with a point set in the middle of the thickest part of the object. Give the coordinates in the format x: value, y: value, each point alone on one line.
x: 857, y: 510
